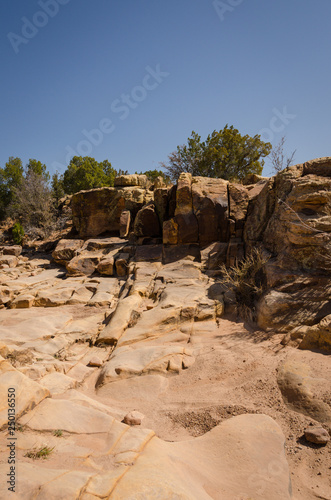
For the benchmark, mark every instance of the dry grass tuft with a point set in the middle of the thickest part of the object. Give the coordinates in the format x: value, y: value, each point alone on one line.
x: 247, y: 281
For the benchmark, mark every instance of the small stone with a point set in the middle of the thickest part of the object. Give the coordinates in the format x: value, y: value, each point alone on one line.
x: 122, y: 264
x: 133, y: 418
x: 106, y: 266
x: 317, y: 435
x: 95, y: 361
x: 12, y: 250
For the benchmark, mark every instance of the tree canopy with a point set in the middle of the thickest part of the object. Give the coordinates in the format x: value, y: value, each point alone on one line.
x: 11, y: 177
x: 87, y: 173
x: 225, y: 154
x: 37, y: 168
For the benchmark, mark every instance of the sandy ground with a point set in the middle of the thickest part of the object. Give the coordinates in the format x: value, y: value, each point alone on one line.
x: 234, y: 373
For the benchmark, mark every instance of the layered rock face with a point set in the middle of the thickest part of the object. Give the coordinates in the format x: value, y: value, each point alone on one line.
x: 291, y: 219
x: 218, y: 222
x: 99, y: 210
x: 198, y: 211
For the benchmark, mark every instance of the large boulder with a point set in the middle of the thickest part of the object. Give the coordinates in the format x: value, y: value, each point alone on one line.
x: 131, y: 180
x: 96, y: 211
x: 210, y: 206
x: 147, y: 222
x: 66, y: 250
x: 83, y: 264
x: 303, y: 390
x: 99, y: 210
x: 11, y: 250
x: 184, y: 194
x: 170, y: 232
x: 207, y: 210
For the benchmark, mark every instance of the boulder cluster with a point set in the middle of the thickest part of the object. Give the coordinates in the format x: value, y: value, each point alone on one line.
x: 288, y: 217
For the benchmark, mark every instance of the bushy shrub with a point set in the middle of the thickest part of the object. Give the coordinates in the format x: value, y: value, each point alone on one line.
x: 18, y: 233
x: 247, y: 280
x: 33, y: 205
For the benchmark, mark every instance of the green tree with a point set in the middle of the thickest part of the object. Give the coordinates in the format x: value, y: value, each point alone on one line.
x: 17, y: 233
x: 11, y: 176
x: 225, y: 154
x: 38, y: 168
x: 57, y: 187
x: 87, y: 173
x: 109, y: 172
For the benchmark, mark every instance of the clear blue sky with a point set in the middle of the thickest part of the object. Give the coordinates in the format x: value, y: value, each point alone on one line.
x: 89, y: 65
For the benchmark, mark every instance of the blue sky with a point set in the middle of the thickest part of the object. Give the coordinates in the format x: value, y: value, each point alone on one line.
x: 128, y: 80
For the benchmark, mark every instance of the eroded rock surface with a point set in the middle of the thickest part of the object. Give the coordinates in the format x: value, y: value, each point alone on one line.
x: 82, y: 337
x: 134, y: 325
x: 291, y: 218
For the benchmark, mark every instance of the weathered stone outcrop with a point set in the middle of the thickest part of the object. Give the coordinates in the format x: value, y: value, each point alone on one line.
x: 291, y: 218
x: 210, y: 206
x: 132, y: 180
x: 197, y: 211
x: 99, y: 210
x: 288, y: 216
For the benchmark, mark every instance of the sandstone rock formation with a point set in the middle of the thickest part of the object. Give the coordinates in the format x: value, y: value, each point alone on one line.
x: 131, y: 324
x: 197, y: 211
x: 99, y: 210
x: 291, y: 219
x: 218, y: 222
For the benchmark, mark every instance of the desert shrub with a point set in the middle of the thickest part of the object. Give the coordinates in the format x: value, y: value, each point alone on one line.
x: 33, y: 205
x: 247, y: 281
x: 18, y: 233
x: 43, y: 452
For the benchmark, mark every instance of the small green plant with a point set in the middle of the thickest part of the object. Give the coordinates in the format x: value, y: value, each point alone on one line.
x: 58, y: 433
x: 43, y: 452
x: 247, y: 280
x: 20, y: 428
x: 18, y: 233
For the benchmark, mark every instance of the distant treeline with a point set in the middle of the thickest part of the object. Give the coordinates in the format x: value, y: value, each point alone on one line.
x: 31, y: 197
